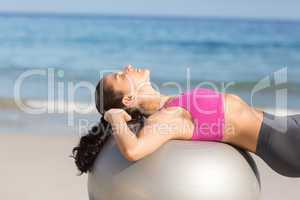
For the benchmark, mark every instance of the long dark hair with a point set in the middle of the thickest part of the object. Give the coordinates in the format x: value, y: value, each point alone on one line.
x: 90, y: 145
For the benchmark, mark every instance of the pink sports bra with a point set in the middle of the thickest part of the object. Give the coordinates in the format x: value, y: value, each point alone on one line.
x: 207, y: 109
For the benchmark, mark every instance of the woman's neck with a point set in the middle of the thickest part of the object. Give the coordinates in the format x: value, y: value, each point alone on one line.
x: 151, y: 105
x: 151, y: 100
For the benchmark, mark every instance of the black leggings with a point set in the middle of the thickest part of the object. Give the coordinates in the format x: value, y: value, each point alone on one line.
x: 279, y: 143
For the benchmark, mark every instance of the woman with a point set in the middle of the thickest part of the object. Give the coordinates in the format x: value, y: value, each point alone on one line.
x: 127, y: 97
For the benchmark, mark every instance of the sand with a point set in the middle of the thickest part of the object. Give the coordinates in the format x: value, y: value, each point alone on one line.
x: 38, y: 167
x: 35, y: 167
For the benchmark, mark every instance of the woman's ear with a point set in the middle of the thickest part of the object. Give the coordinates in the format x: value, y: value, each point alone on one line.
x: 128, y: 101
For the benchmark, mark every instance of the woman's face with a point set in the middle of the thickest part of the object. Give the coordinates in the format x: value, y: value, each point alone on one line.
x: 129, y: 80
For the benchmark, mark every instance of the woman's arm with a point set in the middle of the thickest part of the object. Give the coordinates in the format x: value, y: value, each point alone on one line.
x: 154, y: 134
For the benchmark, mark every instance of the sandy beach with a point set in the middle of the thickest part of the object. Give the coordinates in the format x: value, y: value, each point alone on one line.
x: 38, y: 167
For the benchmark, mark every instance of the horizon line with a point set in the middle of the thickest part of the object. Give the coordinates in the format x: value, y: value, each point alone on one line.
x: 144, y: 16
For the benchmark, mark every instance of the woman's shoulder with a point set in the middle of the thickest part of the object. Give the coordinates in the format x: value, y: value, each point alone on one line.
x: 175, y: 119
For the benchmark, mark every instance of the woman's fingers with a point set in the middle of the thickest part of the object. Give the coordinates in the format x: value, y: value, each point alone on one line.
x: 127, y: 117
x: 115, y: 113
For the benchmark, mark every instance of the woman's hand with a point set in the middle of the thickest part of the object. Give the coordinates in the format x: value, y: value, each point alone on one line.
x: 114, y: 115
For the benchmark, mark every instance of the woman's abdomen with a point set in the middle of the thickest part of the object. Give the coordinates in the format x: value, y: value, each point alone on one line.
x: 242, y: 122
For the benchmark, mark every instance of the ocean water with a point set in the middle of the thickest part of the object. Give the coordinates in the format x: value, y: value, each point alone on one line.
x: 79, y: 48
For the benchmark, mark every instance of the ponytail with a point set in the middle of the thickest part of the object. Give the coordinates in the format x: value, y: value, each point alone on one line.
x: 90, y: 145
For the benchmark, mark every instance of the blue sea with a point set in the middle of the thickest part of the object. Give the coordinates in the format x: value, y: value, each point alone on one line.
x: 77, y: 48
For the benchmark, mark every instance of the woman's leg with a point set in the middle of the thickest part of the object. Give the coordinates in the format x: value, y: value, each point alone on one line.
x: 279, y: 143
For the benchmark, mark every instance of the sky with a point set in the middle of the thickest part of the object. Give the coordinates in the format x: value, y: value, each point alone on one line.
x: 279, y: 9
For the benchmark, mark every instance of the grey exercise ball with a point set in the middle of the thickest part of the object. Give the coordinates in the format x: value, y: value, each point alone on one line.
x: 180, y: 169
